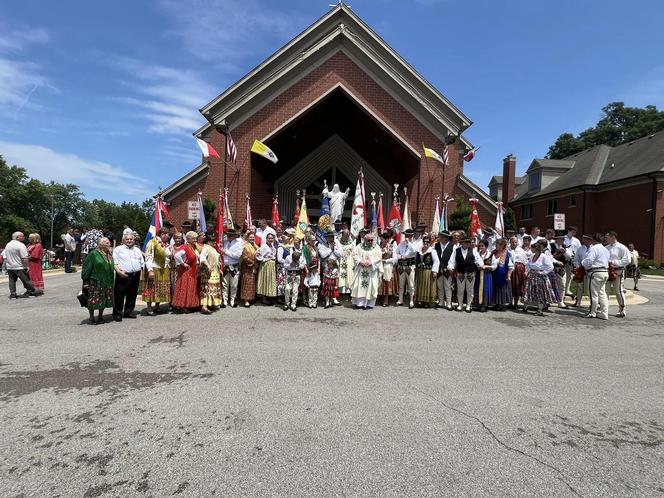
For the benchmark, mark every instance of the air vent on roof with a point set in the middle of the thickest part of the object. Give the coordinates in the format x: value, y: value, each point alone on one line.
x: 613, y: 165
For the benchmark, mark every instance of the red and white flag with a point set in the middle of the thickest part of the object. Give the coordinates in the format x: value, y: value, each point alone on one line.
x: 231, y: 149
x: 381, y: 218
x: 394, y: 221
x: 500, y: 223
x: 470, y: 154
x: 220, y: 223
x: 358, y: 219
x: 475, y: 228
x: 276, y: 222
x: 207, y: 149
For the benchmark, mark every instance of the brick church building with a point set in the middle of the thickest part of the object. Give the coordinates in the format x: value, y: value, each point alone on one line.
x: 333, y: 100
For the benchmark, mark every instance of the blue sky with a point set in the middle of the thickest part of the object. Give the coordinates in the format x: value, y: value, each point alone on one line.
x: 106, y: 94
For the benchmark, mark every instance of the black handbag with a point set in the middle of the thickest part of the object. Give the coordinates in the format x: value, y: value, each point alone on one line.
x: 82, y: 296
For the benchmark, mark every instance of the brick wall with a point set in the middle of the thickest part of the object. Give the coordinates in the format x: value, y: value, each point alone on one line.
x: 337, y: 69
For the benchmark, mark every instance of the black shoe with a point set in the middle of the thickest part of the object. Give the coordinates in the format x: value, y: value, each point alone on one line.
x: 129, y: 315
x: 13, y: 296
x: 117, y: 318
x: 28, y: 294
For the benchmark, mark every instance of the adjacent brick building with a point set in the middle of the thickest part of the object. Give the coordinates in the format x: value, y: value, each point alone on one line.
x: 603, y: 188
x: 333, y: 100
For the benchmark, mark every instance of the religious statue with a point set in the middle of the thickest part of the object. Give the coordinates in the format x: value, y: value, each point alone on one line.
x: 337, y: 200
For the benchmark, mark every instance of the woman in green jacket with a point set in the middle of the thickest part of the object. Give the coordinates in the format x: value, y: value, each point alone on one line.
x: 98, y: 274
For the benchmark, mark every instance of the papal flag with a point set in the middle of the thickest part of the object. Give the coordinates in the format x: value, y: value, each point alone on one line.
x: 302, y: 220
x: 433, y: 154
x: 263, y: 150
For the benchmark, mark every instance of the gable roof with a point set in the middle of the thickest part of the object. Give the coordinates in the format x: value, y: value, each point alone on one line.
x: 339, y: 29
x: 518, y: 180
x: 604, y: 164
x: 472, y: 189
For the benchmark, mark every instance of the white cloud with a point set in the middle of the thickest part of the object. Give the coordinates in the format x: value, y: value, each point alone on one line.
x: 19, y: 78
x: 49, y: 165
x: 225, y: 31
x: 173, y: 96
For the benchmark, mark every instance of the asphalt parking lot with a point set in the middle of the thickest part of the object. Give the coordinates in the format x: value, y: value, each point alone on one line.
x: 389, y: 402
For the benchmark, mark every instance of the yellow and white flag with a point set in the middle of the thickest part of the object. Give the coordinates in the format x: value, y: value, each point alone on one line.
x: 433, y: 154
x: 302, y: 221
x: 261, y: 149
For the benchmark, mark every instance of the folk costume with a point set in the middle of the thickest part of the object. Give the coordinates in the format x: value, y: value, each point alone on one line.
x: 267, y: 273
x: 186, y: 285
x: 367, y: 259
x: 99, y: 272
x: 330, y: 288
x: 465, y: 263
x: 632, y: 269
x: 445, y: 277
x: 233, y: 247
x: 158, y: 261
x: 502, y: 283
x: 538, y: 291
x: 35, y: 254
x: 312, y: 282
x: 406, y: 253
x: 294, y: 265
x: 580, y: 275
x: 209, y: 277
x: 426, y: 273
x: 483, y: 292
x: 346, y: 264
x: 596, y: 263
x: 619, y: 259
x: 520, y: 258
x: 388, y: 282
x: 248, y: 272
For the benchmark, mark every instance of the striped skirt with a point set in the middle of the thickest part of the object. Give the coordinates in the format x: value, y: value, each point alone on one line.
x: 388, y: 287
x: 426, y: 287
x: 267, y: 279
x: 157, y: 290
x: 518, y: 280
x: 537, y: 290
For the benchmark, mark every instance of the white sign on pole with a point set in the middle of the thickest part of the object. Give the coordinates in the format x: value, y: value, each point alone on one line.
x: 559, y: 221
x: 194, y: 210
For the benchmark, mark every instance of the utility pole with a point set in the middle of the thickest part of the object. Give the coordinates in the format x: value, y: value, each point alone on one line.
x: 52, y: 196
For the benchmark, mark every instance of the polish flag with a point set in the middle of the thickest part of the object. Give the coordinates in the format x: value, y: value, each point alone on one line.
x: 394, y: 220
x: 276, y: 222
x: 207, y: 149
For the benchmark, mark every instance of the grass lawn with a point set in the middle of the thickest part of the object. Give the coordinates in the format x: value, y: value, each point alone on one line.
x: 647, y: 271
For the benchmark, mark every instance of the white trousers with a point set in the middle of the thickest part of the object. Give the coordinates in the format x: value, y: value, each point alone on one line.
x: 229, y: 288
x: 569, y: 276
x: 599, y: 301
x: 466, y: 285
x: 407, y: 280
x: 618, y: 287
x: 445, y: 290
x: 291, y: 289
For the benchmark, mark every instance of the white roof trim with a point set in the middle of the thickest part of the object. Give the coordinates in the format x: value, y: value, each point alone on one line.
x: 358, y: 102
x: 363, y: 46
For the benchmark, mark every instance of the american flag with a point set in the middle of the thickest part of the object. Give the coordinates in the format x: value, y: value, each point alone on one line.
x: 231, y: 149
x: 446, y: 155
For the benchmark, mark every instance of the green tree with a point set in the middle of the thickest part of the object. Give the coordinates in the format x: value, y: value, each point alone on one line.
x: 460, y: 217
x: 509, y: 219
x: 618, y: 125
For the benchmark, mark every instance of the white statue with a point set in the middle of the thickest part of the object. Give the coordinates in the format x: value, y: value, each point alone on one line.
x: 337, y: 200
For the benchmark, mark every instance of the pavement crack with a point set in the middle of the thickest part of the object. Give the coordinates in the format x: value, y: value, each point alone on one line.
x: 560, y: 474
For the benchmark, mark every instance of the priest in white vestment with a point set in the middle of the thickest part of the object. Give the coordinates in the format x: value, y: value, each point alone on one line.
x: 367, y: 258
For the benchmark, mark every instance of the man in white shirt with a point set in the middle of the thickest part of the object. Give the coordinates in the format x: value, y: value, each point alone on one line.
x: 406, y: 252
x: 571, y: 245
x: 231, y: 252
x: 535, y: 236
x: 70, y: 248
x: 596, y: 263
x: 579, y: 254
x: 16, y: 259
x: 619, y: 258
x: 466, y: 261
x: 264, y: 230
x: 522, y: 232
x: 129, y: 262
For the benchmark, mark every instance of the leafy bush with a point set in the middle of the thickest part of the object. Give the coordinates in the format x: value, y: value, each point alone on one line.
x: 647, y: 263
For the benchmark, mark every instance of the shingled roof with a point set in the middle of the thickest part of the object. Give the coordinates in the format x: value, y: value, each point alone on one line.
x: 602, y: 165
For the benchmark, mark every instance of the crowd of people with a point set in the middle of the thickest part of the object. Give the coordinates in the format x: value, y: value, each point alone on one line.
x: 187, y: 272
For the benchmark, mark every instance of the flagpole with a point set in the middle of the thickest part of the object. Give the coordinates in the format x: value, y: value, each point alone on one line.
x: 419, y: 176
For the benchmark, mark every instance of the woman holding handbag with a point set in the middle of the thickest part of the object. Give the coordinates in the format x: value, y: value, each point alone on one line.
x: 98, y: 279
